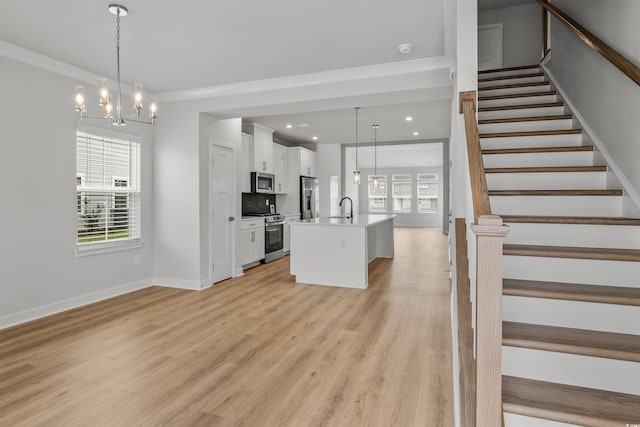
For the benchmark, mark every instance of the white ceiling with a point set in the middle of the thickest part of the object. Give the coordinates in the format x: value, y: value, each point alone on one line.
x: 402, y: 155
x: 177, y: 45
x: 497, y: 4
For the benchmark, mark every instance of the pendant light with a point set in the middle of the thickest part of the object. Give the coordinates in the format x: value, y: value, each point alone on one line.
x: 375, y: 155
x: 104, y: 98
x: 356, y: 173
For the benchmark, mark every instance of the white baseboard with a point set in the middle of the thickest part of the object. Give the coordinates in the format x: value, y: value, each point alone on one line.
x: 68, y: 304
x: 611, y: 163
x: 192, y: 285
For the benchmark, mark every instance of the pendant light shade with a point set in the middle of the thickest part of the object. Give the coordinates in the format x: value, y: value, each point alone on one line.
x: 356, y: 172
x: 375, y: 155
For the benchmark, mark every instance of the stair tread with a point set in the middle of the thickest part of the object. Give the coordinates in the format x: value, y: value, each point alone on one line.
x: 572, y: 292
x: 531, y: 133
x: 578, y: 252
x: 537, y: 150
x: 595, y: 220
x: 513, y: 86
x: 515, y: 76
x: 526, y: 119
x: 521, y: 106
x: 613, y: 192
x: 546, y: 169
x: 569, y: 404
x: 574, y: 341
x: 519, y: 67
x: 517, y: 95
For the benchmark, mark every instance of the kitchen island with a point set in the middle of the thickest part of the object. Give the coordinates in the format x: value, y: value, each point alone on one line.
x: 337, y: 251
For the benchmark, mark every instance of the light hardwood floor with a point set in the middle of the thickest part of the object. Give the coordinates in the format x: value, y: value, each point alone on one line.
x: 258, y: 350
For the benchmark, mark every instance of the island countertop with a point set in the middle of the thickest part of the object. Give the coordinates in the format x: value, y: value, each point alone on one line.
x: 357, y: 220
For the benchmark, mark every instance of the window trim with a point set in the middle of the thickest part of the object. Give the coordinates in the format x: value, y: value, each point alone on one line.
x: 102, y: 247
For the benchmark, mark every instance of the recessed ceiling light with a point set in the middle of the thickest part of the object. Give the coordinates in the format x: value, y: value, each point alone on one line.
x: 302, y: 125
x: 288, y: 126
x: 405, y: 48
x: 315, y: 138
x: 416, y: 133
x: 408, y: 118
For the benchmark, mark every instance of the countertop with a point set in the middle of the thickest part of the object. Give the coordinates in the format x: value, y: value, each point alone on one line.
x: 357, y: 221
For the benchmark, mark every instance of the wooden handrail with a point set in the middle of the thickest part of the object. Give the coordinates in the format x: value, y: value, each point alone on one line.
x: 615, y: 57
x: 465, y: 329
x: 480, y: 194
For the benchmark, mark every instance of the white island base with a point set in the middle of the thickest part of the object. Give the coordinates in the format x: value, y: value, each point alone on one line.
x: 337, y: 251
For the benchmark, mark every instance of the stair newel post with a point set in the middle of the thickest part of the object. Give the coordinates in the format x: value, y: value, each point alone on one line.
x: 490, y: 233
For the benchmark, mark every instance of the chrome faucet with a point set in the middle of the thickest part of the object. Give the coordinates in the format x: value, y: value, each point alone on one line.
x: 351, y: 204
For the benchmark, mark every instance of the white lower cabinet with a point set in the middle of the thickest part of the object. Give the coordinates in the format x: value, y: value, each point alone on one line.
x: 286, y: 244
x: 251, y: 240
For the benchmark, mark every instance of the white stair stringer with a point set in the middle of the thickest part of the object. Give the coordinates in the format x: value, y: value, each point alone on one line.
x: 561, y: 124
x: 571, y: 270
x: 574, y: 235
x: 568, y: 158
x: 521, y: 112
x: 572, y: 369
x: 607, y: 206
x: 546, y: 180
x: 571, y: 140
x: 515, y: 420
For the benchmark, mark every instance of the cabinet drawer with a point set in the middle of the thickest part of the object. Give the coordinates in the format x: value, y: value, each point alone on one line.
x: 251, y: 224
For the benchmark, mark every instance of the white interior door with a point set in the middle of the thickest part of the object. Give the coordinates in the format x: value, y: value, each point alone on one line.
x: 221, y: 242
x: 490, y: 46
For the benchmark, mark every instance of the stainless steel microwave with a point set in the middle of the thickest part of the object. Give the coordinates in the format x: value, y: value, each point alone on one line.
x: 262, y: 182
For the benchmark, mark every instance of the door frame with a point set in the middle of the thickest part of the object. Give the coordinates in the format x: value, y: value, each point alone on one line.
x: 227, y: 146
x: 497, y: 27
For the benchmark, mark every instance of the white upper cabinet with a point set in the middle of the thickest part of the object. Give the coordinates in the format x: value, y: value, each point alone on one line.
x: 247, y: 163
x: 280, y: 168
x: 307, y: 163
x: 262, y: 149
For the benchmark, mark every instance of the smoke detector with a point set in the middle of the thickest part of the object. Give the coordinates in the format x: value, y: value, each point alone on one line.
x: 405, y: 48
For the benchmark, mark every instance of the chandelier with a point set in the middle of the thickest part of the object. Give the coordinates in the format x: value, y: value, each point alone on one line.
x: 104, y: 96
x: 375, y: 155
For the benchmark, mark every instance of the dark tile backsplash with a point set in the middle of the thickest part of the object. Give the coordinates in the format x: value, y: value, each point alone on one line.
x: 253, y: 203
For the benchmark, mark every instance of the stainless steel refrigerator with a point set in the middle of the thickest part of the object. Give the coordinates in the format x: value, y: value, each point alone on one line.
x: 309, y: 200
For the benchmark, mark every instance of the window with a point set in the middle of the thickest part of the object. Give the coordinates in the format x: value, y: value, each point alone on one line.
x: 108, y: 191
x: 377, y: 194
x: 402, y: 192
x: 427, y: 192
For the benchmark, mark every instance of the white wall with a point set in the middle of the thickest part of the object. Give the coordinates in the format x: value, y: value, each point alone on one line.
x: 412, y: 219
x: 39, y: 272
x: 607, y: 99
x: 522, y: 32
x: 329, y: 157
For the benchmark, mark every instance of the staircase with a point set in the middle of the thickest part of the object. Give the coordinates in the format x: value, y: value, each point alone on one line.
x: 571, y: 263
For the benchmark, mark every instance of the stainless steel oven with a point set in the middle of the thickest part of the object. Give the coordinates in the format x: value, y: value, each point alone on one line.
x: 273, y: 238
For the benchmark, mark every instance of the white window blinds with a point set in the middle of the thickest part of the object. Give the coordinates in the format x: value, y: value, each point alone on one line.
x: 108, y: 190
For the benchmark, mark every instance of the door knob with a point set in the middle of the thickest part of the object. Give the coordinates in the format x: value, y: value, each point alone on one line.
x: 232, y: 218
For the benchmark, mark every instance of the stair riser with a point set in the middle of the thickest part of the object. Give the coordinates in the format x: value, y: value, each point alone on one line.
x: 583, y: 371
x: 546, y: 180
x: 557, y: 205
x: 514, y: 420
x: 584, y: 158
x: 532, y: 141
x: 508, y: 73
x: 571, y: 270
x: 526, y: 126
x: 526, y: 100
x: 513, y: 81
x: 524, y: 112
x: 574, y: 235
x: 513, y: 90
